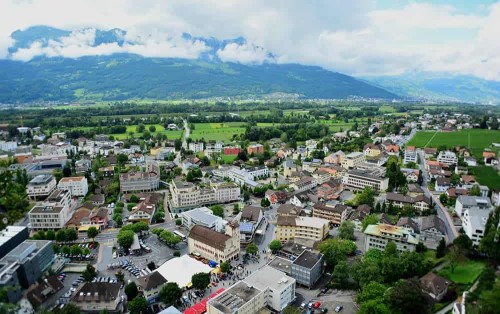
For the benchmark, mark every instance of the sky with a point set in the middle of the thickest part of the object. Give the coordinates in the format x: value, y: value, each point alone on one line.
x: 356, y: 37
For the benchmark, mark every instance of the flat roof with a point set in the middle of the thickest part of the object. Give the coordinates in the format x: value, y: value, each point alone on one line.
x: 281, y: 264
x: 181, y: 269
x: 312, y: 222
x: 233, y: 298
x: 307, y: 259
x: 201, y: 215
x: 72, y: 179
x: 382, y: 229
x: 41, y: 179
x: 10, y: 232
x: 268, y: 277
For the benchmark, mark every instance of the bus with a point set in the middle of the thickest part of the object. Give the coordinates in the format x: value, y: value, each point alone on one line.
x: 182, y: 236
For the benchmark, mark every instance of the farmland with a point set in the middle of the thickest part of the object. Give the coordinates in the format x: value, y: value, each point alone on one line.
x: 217, y: 131
x: 132, y: 129
x: 475, y: 139
x: 488, y: 176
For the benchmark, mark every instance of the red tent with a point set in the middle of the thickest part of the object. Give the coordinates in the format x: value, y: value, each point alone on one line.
x: 201, y: 307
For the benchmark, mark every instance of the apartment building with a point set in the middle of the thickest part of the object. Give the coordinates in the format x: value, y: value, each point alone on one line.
x: 78, y: 186
x: 353, y: 159
x: 466, y: 202
x: 307, y: 268
x: 474, y: 223
x: 196, y: 147
x: 359, y: 179
x: 8, y: 146
x: 410, y: 155
x: 232, y: 150
x: 255, y: 149
x: 12, y: 236
x: 213, y: 147
x: 41, y: 186
x: 97, y: 297
x: 304, y: 184
x: 335, y: 158
x: 213, y: 245
x: 53, y: 213
x: 377, y: 237
x: 202, y: 216
x: 151, y: 285
x: 447, y: 158
x: 188, y: 195
x: 420, y: 203
x: 335, y: 214
x: 257, y: 172
x: 311, y: 228
x: 372, y: 150
x: 148, y: 180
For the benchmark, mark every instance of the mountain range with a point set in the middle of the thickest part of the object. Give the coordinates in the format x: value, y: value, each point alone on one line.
x: 121, y: 76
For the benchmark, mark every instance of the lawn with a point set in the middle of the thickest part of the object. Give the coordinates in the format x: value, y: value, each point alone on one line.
x: 227, y: 159
x: 171, y: 135
x: 430, y: 255
x: 487, y: 176
x: 217, y: 131
x: 465, y: 273
x: 475, y: 139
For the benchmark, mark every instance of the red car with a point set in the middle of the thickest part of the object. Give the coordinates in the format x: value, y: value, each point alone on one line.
x: 317, y: 305
x: 214, y: 284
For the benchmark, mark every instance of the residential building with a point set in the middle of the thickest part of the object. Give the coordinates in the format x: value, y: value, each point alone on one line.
x: 148, y: 180
x: 435, y: 285
x: 470, y: 161
x: 447, y: 158
x: 275, y: 197
x: 142, y: 212
x: 352, y: 160
x: 41, y: 186
x: 10, y: 237
x: 466, y: 202
x: 474, y: 223
x: 255, y: 149
x: 432, y: 228
x: 232, y: 150
x: 78, y: 186
x: 410, y: 155
x: 359, y: 179
x: 24, y: 265
x: 82, y: 166
x: 321, y: 176
x: 202, y: 216
x: 312, y: 228
x: 442, y: 184
x: 358, y: 215
x: 213, y: 147
x: 108, y: 171
x: 195, y: 147
x: 187, y: 195
x: 495, y: 197
x: 213, y: 245
x: 289, y: 210
x: 307, y: 268
x: 8, y: 146
x: 304, y: 184
x: 372, y: 150
x: 95, y: 297
x: 411, y: 175
x: 289, y: 166
x: 250, y: 219
x: 377, y: 237
x: 88, y: 215
x: 335, y: 158
x: 335, y: 214
x: 53, y: 213
x: 420, y: 203
x: 41, y: 292
x: 151, y: 285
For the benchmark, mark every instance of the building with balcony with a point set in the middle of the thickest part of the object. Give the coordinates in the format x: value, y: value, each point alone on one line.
x: 335, y: 214
x: 141, y: 181
x: 352, y: 160
x: 377, y: 237
x: 53, y: 213
x: 447, y: 158
x: 420, y: 203
x: 310, y: 228
x: 78, y: 186
x: 41, y: 186
x: 359, y: 179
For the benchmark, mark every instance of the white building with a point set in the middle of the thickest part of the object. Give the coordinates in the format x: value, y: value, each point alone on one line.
x: 8, y: 146
x: 202, y: 216
x: 377, y: 237
x: 257, y: 172
x: 465, y: 202
x: 353, y: 159
x: 304, y: 184
x: 187, y: 195
x: 195, y: 147
x: 78, y: 186
x: 474, y: 223
x: 53, y: 213
x: 213, y: 147
x: 267, y: 287
x: 359, y: 179
x: 447, y: 157
x: 410, y: 156
x: 41, y: 186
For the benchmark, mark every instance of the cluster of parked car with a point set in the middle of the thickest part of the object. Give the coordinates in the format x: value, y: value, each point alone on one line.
x: 79, y: 257
x: 61, y: 276
x: 77, y: 282
x: 312, y: 306
x: 130, y: 267
x: 105, y: 279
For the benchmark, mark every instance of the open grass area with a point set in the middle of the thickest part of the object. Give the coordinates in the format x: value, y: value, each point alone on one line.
x: 228, y: 158
x: 430, y: 255
x: 387, y: 109
x: 171, y: 135
x: 475, y: 139
x: 217, y: 131
x: 487, y: 176
x: 465, y: 273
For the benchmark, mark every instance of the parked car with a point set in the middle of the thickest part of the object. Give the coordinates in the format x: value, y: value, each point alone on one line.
x: 338, y: 308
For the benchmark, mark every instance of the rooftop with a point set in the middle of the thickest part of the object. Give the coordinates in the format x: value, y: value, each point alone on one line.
x: 10, y: 232
x: 72, y: 179
x: 41, y: 179
x: 233, y: 298
x: 268, y: 277
x: 281, y: 264
x: 308, y: 259
x: 390, y: 231
x: 209, y: 237
x: 203, y: 215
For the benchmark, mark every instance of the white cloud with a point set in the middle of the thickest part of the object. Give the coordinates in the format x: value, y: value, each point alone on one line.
x: 355, y: 37
x: 246, y: 54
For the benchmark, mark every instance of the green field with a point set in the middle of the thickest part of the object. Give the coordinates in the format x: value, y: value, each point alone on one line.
x: 465, y: 273
x: 171, y: 135
x: 475, y: 139
x: 487, y: 176
x: 217, y: 131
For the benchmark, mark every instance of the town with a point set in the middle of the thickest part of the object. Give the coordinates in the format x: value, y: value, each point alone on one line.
x: 302, y: 208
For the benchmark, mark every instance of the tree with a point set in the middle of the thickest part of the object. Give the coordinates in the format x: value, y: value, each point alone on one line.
x: 67, y: 309
x: 178, y: 222
x: 138, y: 305
x: 265, y: 202
x: 236, y: 209
x: 200, y: 281
x: 140, y: 128
x: 464, y: 243
x: 120, y: 276
x: 60, y: 235
x: 275, y: 245
x: 441, y: 248
x: 408, y: 297
x: 51, y: 235
x: 367, y: 196
x: 76, y: 250
x: 371, y: 219
x: 65, y: 249
x: 489, y: 300
x: 420, y: 248
x: 336, y: 250
x: 152, y: 128
x: 86, y: 251
x: 346, y: 230
x: 121, y: 159
x: 125, y: 238
x: 341, y: 274
x: 252, y: 249
x: 131, y: 290
x: 134, y: 198
x: 92, y: 232
x: 372, y: 291
x: 218, y: 210
x: 455, y: 256
x: 391, y: 249
x: 225, y: 267
x: 170, y: 293
x: 89, y: 273
x: 489, y: 244
x: 71, y: 234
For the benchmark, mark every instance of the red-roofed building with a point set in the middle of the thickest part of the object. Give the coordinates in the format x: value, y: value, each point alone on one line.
x: 201, y: 307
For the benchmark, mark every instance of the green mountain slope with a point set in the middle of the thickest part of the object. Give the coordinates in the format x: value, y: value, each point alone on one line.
x: 121, y: 77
